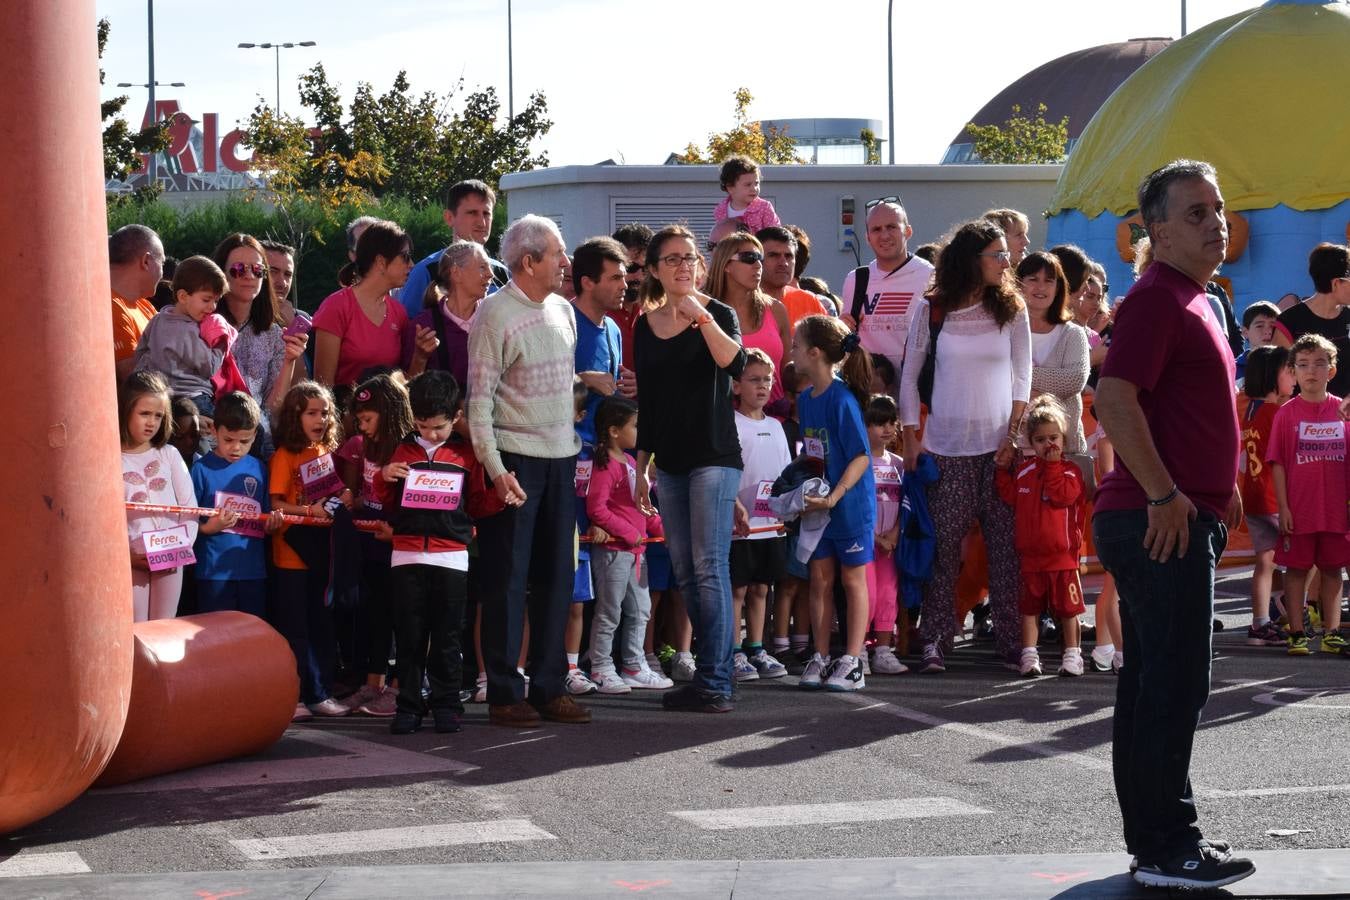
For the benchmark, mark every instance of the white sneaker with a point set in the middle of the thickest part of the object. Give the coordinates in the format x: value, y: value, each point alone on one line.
x: 814, y: 673
x: 480, y: 689
x: 1118, y: 661
x: 847, y: 675
x: 767, y: 666
x: 609, y: 682
x: 329, y: 709
x: 682, y: 669
x: 645, y: 679
x: 866, y: 666
x: 741, y: 668
x: 1072, y: 663
x: 301, y: 714
x: 577, y: 684
x: 1101, y: 662
x: 1031, y: 663
x: 885, y: 662
x: 654, y: 663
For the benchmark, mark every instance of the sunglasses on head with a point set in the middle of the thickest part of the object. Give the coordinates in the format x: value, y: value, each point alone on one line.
x: 749, y: 257
x: 881, y: 200
x: 237, y: 270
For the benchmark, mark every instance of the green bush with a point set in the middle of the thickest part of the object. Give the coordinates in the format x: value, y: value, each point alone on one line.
x: 321, y: 239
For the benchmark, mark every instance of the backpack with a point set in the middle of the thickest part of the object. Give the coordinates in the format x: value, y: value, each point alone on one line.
x: 927, y: 372
x: 860, y: 278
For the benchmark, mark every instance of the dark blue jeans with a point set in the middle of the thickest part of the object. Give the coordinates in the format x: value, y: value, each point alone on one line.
x: 1166, y: 614
x: 298, y: 612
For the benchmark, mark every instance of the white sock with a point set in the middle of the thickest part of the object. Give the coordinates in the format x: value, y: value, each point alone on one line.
x: 780, y: 644
x: 482, y: 677
x: 1073, y: 651
x: 799, y: 641
x: 1104, y: 651
x: 1030, y: 651
x: 1258, y: 621
x: 572, y: 660
x: 684, y: 654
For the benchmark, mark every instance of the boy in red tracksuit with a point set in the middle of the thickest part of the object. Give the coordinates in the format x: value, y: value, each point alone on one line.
x: 1049, y: 502
x: 432, y: 489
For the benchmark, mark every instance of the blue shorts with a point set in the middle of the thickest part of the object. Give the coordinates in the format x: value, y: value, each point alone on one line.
x: 582, y: 591
x: 794, y: 568
x: 855, y: 550
x: 658, y: 567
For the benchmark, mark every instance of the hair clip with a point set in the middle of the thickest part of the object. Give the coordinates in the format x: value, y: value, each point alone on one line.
x: 363, y: 395
x: 851, y: 342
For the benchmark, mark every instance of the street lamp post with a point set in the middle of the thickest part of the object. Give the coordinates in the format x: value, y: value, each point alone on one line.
x: 277, y: 46
x: 890, y: 73
x: 510, y: 66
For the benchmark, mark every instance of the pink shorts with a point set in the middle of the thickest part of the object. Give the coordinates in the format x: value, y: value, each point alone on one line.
x: 1327, y: 550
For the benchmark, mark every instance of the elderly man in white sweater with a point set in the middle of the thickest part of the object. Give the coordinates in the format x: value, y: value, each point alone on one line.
x: 521, y: 360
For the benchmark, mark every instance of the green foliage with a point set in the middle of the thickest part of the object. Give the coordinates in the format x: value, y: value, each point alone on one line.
x: 871, y: 147
x: 1021, y: 139
x: 746, y: 138
x: 198, y: 230
x: 122, y: 147
x: 397, y: 143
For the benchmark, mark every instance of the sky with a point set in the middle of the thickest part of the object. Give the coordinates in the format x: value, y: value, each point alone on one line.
x: 628, y: 80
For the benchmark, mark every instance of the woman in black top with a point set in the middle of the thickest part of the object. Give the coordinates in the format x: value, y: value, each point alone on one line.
x: 1326, y: 312
x: 687, y: 348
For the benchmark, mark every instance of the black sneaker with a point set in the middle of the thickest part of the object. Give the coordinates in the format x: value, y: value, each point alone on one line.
x: 1204, y: 868
x: 691, y: 699
x: 447, y: 721
x: 405, y: 723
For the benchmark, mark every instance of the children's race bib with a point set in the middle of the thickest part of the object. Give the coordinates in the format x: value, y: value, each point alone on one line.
x: 583, y: 477
x: 763, y: 491
x: 815, y: 448
x: 427, y: 489
x: 369, y: 472
x: 168, y: 548
x: 320, y: 478
x: 245, y: 506
x: 888, y: 483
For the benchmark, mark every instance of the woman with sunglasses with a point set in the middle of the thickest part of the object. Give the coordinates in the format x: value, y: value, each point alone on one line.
x: 733, y: 278
x: 979, y: 336
x: 361, y: 326
x: 265, y: 357
x: 688, y: 349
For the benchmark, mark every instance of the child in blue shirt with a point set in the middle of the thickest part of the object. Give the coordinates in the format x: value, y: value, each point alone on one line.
x: 834, y: 437
x: 231, y: 552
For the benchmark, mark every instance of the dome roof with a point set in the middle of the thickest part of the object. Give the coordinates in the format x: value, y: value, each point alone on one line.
x: 1257, y: 94
x: 1073, y: 85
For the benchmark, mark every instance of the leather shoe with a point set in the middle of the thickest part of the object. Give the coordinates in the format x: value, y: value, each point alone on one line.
x: 516, y: 715
x: 447, y: 721
x: 563, y: 708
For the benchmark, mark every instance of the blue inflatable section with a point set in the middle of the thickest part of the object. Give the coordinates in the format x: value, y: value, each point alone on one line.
x: 1275, y: 262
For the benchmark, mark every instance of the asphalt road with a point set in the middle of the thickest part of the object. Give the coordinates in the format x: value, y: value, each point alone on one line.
x: 975, y: 762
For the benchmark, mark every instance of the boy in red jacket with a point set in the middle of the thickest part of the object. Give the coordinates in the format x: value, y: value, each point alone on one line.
x: 1049, y: 502
x: 433, y: 488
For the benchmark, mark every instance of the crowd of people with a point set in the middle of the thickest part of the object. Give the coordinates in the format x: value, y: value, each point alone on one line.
x: 718, y: 469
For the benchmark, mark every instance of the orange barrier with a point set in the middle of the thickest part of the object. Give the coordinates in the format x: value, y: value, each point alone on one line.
x: 189, y: 675
x: 65, y: 645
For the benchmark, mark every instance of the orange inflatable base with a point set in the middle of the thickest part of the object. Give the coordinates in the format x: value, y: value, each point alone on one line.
x: 203, y: 689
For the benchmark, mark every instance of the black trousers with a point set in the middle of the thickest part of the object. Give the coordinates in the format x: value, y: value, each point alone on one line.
x: 428, y: 605
x: 526, y: 561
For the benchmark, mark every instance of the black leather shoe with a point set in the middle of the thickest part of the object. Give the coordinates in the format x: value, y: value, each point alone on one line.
x: 405, y: 723
x: 447, y: 721
x: 691, y: 699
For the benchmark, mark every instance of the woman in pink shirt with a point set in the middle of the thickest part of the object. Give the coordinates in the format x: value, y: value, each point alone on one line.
x: 734, y: 278
x: 361, y: 325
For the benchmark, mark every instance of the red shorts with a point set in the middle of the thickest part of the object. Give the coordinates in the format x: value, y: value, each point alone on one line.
x: 1061, y: 593
x: 1327, y: 550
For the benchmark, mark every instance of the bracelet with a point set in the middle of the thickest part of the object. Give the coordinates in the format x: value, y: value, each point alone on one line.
x: 1163, y: 501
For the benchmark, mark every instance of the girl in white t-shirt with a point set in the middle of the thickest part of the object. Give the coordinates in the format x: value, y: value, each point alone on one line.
x: 153, y: 472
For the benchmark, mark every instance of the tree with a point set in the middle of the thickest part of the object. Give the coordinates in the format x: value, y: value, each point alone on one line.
x: 122, y: 147
x: 397, y: 143
x: 871, y: 147
x: 1020, y: 139
x: 746, y: 138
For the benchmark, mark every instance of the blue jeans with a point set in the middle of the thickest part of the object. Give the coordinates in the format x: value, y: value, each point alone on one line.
x: 697, y: 511
x: 1166, y: 616
x: 249, y: 596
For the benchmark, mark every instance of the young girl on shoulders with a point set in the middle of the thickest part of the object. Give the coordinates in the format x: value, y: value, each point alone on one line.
x: 382, y: 417
x: 153, y: 472
x: 620, y: 594
x: 304, y: 482
x: 833, y: 435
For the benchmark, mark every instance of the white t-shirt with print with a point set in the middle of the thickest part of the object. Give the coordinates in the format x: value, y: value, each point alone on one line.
x: 887, y: 307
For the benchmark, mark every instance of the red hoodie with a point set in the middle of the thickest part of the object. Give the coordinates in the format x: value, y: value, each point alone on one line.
x: 437, y: 531
x: 1050, y: 506
x: 610, y: 504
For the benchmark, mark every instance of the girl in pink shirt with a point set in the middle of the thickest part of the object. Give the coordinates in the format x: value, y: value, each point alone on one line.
x: 361, y: 325
x: 616, y: 564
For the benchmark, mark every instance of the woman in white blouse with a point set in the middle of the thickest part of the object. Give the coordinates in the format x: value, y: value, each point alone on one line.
x: 1059, y: 346
x: 981, y: 381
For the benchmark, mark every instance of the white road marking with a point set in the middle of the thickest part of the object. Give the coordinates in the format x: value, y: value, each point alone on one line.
x: 26, y: 864
x: 351, y: 758
x: 827, y: 813
x: 542, y: 737
x: 990, y: 736
x: 375, y: 840
x: 1277, y: 791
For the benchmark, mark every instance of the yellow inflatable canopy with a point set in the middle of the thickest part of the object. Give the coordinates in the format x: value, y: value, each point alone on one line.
x: 1261, y: 95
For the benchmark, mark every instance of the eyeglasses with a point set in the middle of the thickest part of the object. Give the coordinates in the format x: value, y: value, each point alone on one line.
x: 406, y: 256
x: 237, y: 270
x: 881, y: 200
x: 1002, y: 256
x: 749, y: 257
x: 1319, y: 366
x: 674, y: 260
